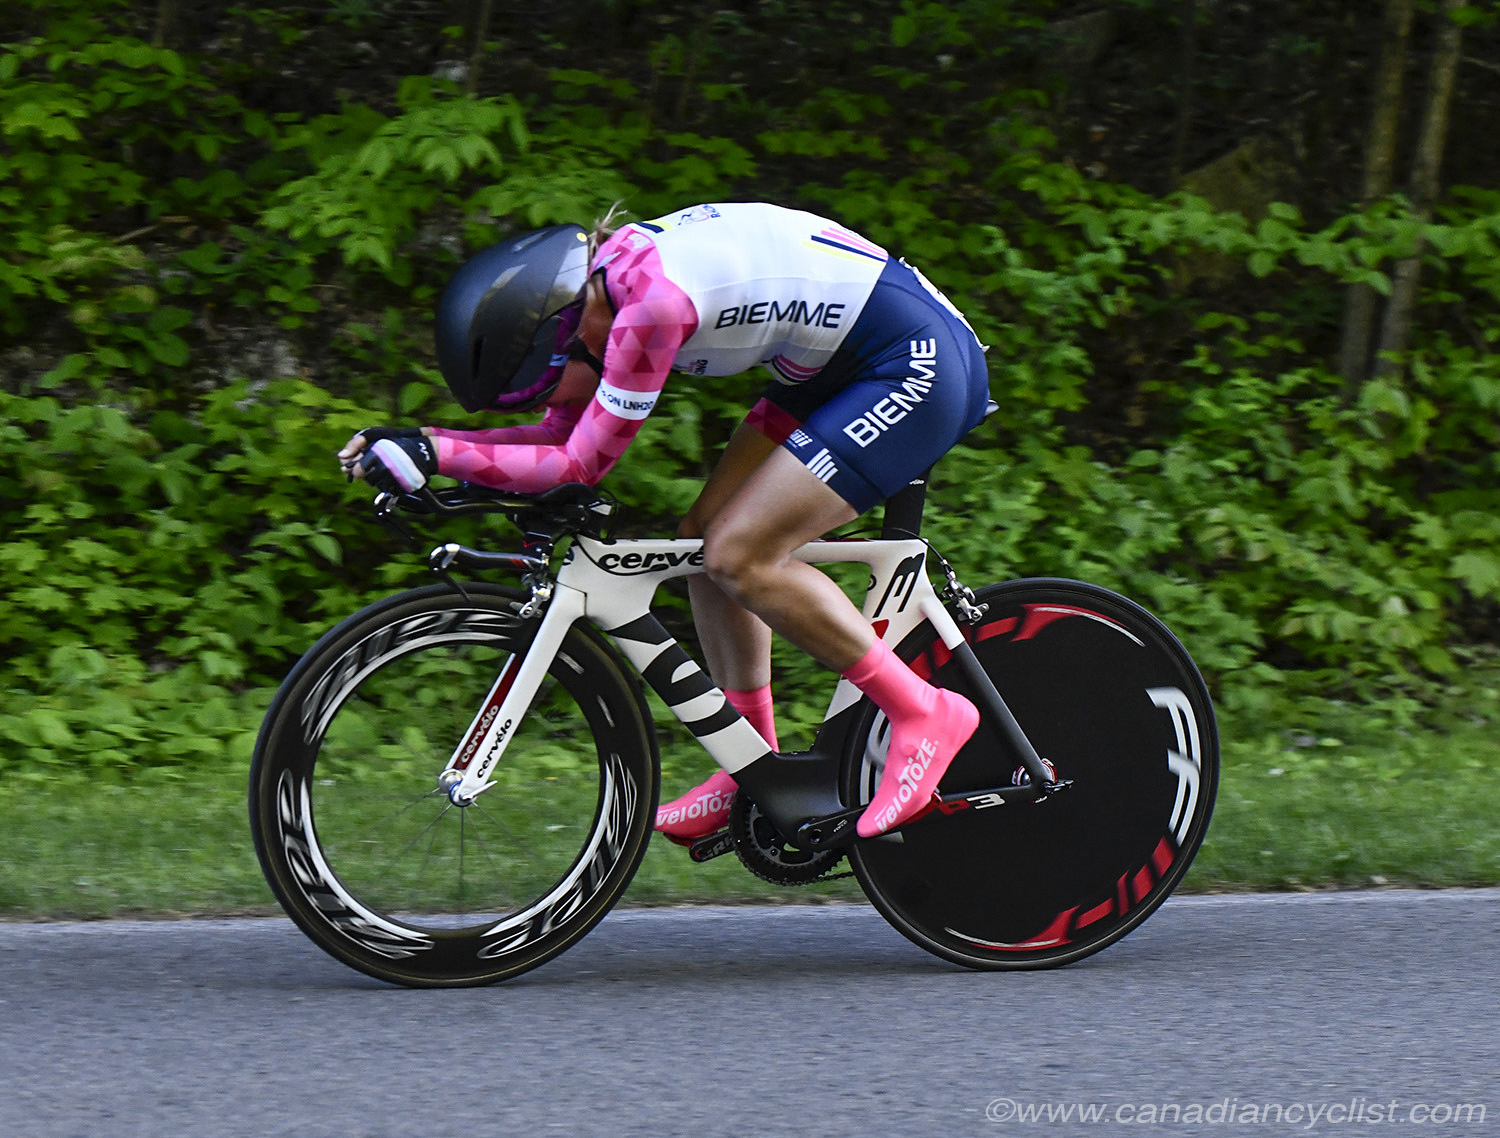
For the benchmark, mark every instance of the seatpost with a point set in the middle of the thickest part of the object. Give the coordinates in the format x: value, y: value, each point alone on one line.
x: 903, y: 509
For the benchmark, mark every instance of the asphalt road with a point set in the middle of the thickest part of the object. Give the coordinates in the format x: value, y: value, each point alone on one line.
x: 1368, y: 1013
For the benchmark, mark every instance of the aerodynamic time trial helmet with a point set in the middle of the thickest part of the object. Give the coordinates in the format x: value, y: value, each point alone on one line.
x: 503, y: 320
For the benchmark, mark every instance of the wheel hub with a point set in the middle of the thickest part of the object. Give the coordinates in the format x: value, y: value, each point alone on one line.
x: 448, y: 783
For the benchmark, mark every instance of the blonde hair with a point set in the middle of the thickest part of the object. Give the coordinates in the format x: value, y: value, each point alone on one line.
x: 606, y: 227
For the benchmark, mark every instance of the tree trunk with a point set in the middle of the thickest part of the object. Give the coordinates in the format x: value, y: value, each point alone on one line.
x: 1380, y: 158
x: 1187, y: 57
x: 166, y: 16
x: 1395, y: 330
x: 476, y: 54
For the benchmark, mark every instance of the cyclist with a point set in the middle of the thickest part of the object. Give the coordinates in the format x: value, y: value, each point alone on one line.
x: 874, y: 376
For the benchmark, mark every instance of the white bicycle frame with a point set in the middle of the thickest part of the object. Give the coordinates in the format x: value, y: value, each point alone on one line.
x: 612, y: 585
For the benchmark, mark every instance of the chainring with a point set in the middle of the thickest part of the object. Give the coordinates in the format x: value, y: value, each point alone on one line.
x: 764, y: 853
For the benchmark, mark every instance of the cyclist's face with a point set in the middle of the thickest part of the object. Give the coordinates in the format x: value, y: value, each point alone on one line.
x: 579, y: 379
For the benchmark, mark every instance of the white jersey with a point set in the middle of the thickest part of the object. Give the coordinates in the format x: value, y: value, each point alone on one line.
x: 718, y: 289
x: 768, y: 285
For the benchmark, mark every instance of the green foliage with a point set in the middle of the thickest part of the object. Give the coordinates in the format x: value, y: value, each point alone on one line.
x: 205, y: 293
x: 374, y: 178
x: 1266, y: 509
x: 153, y: 571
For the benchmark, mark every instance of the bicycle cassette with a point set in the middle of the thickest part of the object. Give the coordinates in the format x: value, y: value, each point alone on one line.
x: 766, y: 854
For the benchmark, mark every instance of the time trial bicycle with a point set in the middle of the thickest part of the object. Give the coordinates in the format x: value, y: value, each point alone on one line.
x: 456, y: 783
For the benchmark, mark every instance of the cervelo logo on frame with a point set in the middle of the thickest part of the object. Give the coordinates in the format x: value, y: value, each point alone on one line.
x: 898, y: 404
x: 634, y: 564
x: 472, y: 746
x: 493, y: 753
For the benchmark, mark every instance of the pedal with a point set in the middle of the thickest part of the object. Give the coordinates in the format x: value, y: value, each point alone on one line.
x: 714, y: 845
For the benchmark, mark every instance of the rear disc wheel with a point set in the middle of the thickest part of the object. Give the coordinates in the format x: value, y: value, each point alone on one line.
x: 1108, y: 696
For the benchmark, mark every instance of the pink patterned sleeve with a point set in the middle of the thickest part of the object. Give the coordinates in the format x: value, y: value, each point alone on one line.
x: 553, y: 429
x: 653, y: 318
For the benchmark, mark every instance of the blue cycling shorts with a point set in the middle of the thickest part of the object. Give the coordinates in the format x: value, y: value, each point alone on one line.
x: 907, y: 383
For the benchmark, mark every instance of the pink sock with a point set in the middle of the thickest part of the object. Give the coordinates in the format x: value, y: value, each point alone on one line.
x: 705, y: 809
x: 928, y: 727
x: 757, y: 707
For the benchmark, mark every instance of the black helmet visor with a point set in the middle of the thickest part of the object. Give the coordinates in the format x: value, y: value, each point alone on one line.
x: 540, y: 371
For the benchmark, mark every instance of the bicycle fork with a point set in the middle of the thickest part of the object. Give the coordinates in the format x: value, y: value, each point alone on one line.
x: 474, y: 760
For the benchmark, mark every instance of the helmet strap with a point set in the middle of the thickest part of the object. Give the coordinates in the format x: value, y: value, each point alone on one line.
x: 578, y: 350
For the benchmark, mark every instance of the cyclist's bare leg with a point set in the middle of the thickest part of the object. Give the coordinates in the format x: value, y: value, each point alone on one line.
x: 760, y: 505
x: 774, y: 509
x: 736, y: 643
x: 736, y: 646
x: 748, y: 548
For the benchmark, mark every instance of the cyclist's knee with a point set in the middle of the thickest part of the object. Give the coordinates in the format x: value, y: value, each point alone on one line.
x: 720, y: 561
x: 732, y: 563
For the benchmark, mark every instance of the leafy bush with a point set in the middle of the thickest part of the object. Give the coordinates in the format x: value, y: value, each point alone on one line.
x: 209, y: 297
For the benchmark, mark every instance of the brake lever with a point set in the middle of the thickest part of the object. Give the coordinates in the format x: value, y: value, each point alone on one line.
x: 385, y: 512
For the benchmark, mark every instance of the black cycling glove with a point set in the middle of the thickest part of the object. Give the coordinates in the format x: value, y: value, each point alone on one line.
x: 372, y: 435
x: 398, y: 461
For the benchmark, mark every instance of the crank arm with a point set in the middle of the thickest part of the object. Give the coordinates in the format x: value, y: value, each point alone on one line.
x: 710, y: 847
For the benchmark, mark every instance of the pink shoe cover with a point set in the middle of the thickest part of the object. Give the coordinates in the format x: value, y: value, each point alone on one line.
x: 919, y: 755
x: 698, y: 813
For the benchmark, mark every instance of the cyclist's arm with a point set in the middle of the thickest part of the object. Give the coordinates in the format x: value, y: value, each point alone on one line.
x: 553, y: 430
x: 653, y: 320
